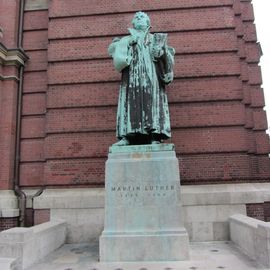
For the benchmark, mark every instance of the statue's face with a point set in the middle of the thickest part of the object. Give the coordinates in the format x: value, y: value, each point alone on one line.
x: 141, y: 21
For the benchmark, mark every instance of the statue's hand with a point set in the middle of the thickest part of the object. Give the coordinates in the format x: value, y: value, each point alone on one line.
x: 133, y: 41
x: 168, y: 77
x: 157, y: 52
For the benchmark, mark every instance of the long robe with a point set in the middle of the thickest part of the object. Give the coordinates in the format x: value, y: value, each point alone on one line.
x: 143, y: 105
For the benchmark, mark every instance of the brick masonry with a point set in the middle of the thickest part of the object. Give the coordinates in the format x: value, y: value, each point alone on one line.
x: 259, y: 211
x: 71, y: 91
x: 41, y: 216
x: 8, y: 92
x: 29, y: 217
x: 256, y: 210
x: 8, y: 223
x: 267, y: 211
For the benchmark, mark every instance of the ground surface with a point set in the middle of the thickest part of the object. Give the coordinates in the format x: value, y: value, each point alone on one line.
x: 204, y: 256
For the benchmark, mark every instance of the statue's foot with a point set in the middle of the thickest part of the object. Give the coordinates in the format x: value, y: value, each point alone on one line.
x: 155, y: 142
x: 122, y: 142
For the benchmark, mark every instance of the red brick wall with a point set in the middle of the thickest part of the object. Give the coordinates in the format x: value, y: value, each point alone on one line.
x: 267, y: 211
x: 41, y: 216
x: 8, y: 223
x: 259, y: 211
x: 71, y: 89
x: 8, y: 93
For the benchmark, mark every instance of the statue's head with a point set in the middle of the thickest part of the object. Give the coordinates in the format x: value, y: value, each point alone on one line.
x: 141, y: 21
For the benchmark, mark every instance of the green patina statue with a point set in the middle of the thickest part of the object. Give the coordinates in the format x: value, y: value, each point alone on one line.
x: 146, y: 63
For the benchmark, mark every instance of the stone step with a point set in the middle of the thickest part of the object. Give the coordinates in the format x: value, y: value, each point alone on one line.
x: 204, y: 256
x: 9, y: 264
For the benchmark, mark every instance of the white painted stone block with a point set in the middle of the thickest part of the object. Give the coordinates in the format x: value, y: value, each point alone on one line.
x: 8, y: 213
x: 210, y: 222
x: 9, y: 264
x: 212, y: 213
x: 242, y: 233
x: 8, y: 199
x: 262, y: 244
x: 29, y: 245
x: 203, y: 203
x: 252, y: 236
x: 83, y: 225
x: 221, y: 231
x: 8, y: 204
x: 202, y: 231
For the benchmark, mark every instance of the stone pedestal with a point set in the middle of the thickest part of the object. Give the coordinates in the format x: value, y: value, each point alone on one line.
x: 143, y: 220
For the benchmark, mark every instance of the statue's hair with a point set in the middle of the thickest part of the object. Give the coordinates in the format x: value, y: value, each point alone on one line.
x: 139, y: 13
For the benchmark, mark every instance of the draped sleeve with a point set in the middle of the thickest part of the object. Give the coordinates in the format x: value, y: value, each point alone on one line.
x: 119, y: 50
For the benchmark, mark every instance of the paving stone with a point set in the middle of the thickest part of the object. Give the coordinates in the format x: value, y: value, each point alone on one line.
x: 204, y: 256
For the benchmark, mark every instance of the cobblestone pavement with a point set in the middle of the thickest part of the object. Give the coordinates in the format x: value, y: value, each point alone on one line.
x: 204, y: 256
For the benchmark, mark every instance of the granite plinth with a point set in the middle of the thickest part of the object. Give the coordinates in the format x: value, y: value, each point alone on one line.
x: 143, y: 219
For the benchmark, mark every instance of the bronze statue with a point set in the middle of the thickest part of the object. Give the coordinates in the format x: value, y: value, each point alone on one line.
x: 146, y: 63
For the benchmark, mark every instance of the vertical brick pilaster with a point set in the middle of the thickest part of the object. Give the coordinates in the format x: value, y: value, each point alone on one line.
x: 8, y: 104
x: 9, y: 19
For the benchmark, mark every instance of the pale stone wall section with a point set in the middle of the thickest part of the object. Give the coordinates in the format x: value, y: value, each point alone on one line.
x: 262, y: 244
x: 9, y: 264
x: 8, y: 204
x: 83, y: 209
x: 210, y: 222
x: 243, y: 232
x: 83, y: 225
x: 206, y: 209
x: 29, y: 245
x: 252, y: 236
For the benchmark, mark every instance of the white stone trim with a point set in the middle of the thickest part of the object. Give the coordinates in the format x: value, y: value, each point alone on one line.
x: 224, y: 194
x: 206, y: 208
x: 12, y: 57
x: 30, y: 194
x: 8, y: 78
x: 82, y: 198
x: 8, y: 204
x: 9, y: 213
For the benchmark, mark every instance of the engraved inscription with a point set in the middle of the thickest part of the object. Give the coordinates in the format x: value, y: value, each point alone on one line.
x: 151, y: 189
x: 143, y: 193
